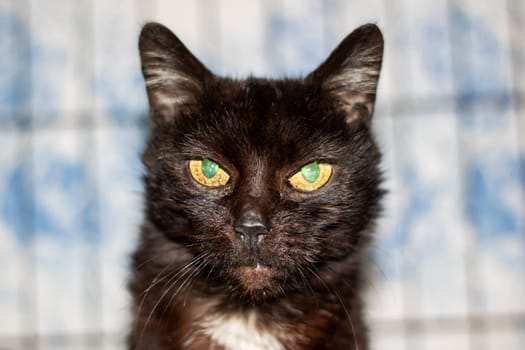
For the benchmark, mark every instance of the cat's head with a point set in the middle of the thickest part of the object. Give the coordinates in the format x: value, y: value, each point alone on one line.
x: 267, y: 182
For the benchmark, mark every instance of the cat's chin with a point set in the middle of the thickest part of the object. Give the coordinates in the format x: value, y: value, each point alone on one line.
x: 257, y: 281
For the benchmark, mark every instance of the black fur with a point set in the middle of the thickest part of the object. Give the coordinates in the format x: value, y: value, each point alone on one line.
x: 191, y: 264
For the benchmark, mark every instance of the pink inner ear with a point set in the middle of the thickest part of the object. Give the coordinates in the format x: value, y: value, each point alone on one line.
x: 358, y: 112
x: 351, y: 72
x: 174, y: 77
x: 356, y: 105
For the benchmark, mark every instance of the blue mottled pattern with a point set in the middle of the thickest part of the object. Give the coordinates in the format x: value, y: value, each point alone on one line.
x: 15, y: 85
x: 448, y: 266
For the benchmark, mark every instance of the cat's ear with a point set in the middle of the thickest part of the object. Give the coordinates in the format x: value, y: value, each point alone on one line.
x: 174, y: 77
x: 351, y: 72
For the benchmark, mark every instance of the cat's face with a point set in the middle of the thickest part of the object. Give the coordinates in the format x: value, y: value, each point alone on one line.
x: 267, y: 183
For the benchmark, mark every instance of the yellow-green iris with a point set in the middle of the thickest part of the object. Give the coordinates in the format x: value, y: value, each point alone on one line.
x: 312, y: 176
x: 208, y: 173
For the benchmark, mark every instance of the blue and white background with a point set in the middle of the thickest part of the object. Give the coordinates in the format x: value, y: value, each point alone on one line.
x: 449, y: 259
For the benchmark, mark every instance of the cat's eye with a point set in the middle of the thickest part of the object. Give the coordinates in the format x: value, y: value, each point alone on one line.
x: 208, y: 173
x: 311, y: 177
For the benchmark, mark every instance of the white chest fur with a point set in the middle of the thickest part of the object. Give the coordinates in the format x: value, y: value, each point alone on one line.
x: 240, y: 331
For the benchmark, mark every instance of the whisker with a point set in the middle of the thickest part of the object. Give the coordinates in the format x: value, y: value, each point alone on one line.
x: 345, y: 309
x: 202, y: 263
x: 183, y: 271
x: 192, y: 273
x: 156, y: 280
x: 147, y: 261
x: 308, y: 285
x: 349, y: 319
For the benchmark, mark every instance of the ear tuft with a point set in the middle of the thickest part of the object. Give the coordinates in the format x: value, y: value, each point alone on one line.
x: 174, y: 77
x: 351, y: 72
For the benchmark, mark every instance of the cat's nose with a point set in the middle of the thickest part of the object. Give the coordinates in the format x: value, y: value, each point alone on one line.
x: 252, y: 227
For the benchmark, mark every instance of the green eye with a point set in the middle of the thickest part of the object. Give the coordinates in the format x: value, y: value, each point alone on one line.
x: 311, y: 172
x: 208, y: 173
x: 312, y: 176
x: 209, y: 168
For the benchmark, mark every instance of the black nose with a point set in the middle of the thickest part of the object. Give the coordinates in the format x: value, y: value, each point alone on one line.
x: 252, y: 227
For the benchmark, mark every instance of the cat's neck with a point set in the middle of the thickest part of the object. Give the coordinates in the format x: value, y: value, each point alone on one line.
x: 279, y: 325
x: 242, y: 330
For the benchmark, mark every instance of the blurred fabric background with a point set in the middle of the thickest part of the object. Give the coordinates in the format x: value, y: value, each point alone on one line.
x: 449, y: 259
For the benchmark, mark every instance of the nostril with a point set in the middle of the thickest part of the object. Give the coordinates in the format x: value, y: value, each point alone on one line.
x: 251, y: 233
x: 252, y: 224
x: 258, y: 230
x: 252, y: 230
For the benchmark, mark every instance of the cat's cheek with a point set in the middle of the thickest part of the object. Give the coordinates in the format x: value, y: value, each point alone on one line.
x: 197, y: 189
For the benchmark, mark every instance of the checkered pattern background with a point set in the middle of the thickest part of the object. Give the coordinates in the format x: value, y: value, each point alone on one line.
x: 448, y: 266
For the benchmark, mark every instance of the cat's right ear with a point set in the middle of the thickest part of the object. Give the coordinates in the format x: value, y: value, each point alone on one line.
x: 174, y: 77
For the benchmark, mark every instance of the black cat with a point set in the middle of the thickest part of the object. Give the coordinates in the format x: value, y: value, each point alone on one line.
x: 261, y: 197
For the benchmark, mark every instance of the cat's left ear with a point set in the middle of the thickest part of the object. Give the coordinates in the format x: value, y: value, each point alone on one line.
x: 351, y: 72
x: 174, y: 77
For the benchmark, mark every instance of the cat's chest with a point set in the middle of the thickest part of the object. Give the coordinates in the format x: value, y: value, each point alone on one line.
x: 240, y: 331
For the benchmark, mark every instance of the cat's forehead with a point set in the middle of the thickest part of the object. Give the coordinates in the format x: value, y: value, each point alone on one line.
x: 292, y: 94
x: 261, y: 120
x: 280, y: 106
